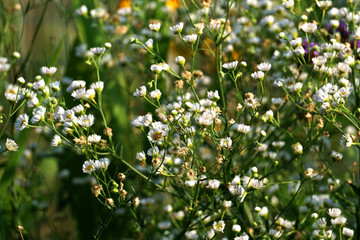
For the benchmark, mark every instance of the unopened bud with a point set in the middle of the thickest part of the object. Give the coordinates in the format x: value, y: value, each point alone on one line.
x: 16, y: 55
x: 121, y: 176
x: 109, y: 202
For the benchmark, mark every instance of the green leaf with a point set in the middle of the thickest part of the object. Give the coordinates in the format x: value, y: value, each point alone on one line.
x: 57, y: 51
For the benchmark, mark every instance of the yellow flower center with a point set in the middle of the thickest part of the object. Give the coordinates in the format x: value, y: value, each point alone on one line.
x: 157, y: 136
x: 90, y: 168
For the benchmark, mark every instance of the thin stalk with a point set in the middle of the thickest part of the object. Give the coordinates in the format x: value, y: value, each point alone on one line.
x: 33, y: 40
x: 288, y: 205
x: 104, y: 225
x: 218, y: 68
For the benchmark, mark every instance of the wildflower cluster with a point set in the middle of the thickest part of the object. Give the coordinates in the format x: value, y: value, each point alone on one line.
x: 245, y: 116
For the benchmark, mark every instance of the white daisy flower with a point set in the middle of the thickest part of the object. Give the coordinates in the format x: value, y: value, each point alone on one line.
x: 157, y: 132
x: 48, y: 70
x: 265, y: 67
x: 264, y: 211
x: 155, y: 27
x: 4, y: 66
x: 343, y: 92
x: 324, y: 4
x: 94, y: 138
x: 140, y: 92
x: 79, y: 93
x: 269, y: 115
x: 142, y: 121
x: 320, y: 96
x: 102, y: 164
x: 149, y: 43
x: 156, y: 94
x: 58, y: 114
x: 242, y: 128
x: 199, y: 28
x: 39, y: 85
x: 258, y: 75
x: 207, y: 118
x: 21, y: 122
x: 56, y: 141
x: 177, y: 28
x: 78, y: 108
x: 21, y: 80
x: 275, y: 233
x: 341, y: 220
x: 215, y: 24
x: 190, y: 183
x: 164, y: 225
x: 206, y: 103
x: 309, y: 27
x: 88, y: 166
x: 90, y: 94
x: 278, y: 144
x: 347, y: 232
x: 11, y: 145
x: 236, y: 228
x: 191, y: 234
x: 336, y: 156
x: 82, y: 11
x: 277, y: 101
x: 213, y: 95
x: 334, y: 212
x: 319, y: 60
x: 165, y: 67
x: 98, y: 50
x: 180, y: 60
x: 227, y: 204
x: 225, y: 143
x: 251, y: 103
x: 156, y: 68
x: 244, y: 236
x: 141, y: 156
x: 256, y: 184
x: 296, y: 42
x: 357, y: 33
x: 97, y: 13
x: 86, y: 120
x: 76, y: 84
x: 346, y: 141
x: 321, y: 222
x: 55, y: 86
x: 344, y: 82
x: 296, y: 87
x: 299, y: 51
x: 230, y: 65
x: 97, y: 86
x: 219, y: 226
x: 190, y: 38
x: 13, y: 93
x: 68, y: 117
x: 237, y: 190
x: 324, y: 107
x: 38, y: 114
x: 213, y: 184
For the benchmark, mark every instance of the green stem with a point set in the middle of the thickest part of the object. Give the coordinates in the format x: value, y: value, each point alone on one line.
x: 218, y: 68
x: 32, y: 43
x: 288, y: 205
x: 135, y: 170
x: 104, y: 225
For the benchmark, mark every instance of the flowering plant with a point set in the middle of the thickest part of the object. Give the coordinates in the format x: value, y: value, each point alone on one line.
x: 245, y: 125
